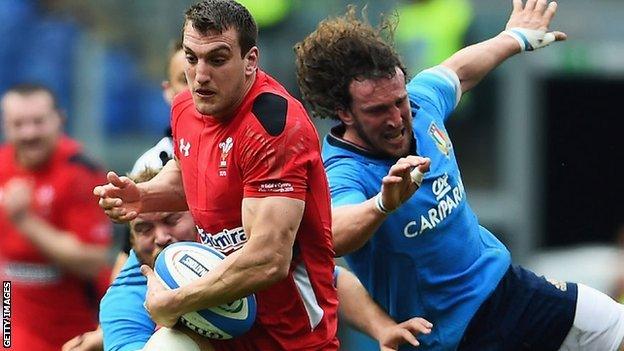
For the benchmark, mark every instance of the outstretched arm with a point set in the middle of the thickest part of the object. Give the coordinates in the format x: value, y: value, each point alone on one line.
x: 123, y: 200
x: 359, y: 310
x: 527, y: 29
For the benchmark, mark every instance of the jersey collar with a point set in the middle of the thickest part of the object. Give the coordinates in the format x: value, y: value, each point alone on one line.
x: 334, y: 138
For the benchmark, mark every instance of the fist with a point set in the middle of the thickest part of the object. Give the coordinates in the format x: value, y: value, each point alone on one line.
x: 17, y: 198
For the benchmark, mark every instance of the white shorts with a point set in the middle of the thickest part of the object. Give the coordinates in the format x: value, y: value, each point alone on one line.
x: 165, y: 339
x: 598, y: 323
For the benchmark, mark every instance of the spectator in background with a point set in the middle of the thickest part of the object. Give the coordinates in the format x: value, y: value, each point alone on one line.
x: 53, y: 237
x: 429, y: 31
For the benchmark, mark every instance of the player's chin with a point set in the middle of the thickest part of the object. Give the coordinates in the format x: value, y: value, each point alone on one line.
x: 396, y: 150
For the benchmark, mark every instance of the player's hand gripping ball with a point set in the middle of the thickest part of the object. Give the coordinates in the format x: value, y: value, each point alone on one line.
x: 183, y: 262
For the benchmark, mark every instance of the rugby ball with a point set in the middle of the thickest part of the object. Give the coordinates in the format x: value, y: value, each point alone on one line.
x: 181, y: 263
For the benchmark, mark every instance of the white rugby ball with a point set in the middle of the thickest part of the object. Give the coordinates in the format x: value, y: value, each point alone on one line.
x: 183, y: 262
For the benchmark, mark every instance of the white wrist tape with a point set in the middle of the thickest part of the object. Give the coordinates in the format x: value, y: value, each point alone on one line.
x: 417, y: 176
x: 380, y: 206
x: 530, y: 39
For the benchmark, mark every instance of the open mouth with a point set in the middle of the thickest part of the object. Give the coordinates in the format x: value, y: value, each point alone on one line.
x: 395, y: 136
x: 205, y: 93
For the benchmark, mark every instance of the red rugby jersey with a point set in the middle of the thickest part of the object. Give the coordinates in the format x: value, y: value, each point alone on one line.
x: 50, y: 306
x: 269, y: 148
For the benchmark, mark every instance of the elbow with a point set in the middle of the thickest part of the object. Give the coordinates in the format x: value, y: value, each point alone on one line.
x: 339, y: 249
x: 275, y: 270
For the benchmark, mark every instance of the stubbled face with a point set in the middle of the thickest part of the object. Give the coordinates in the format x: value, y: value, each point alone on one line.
x: 218, y: 76
x: 176, y: 82
x: 380, y: 118
x: 32, y: 125
x: 152, y: 232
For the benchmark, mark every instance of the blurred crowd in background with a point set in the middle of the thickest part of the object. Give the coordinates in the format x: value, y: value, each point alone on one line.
x: 539, y: 137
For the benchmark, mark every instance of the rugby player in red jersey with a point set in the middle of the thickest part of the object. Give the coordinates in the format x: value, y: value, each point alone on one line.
x: 249, y: 159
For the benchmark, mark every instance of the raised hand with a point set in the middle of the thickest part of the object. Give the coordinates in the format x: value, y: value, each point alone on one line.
x: 17, y: 198
x: 120, y: 198
x: 397, y: 187
x: 529, y: 24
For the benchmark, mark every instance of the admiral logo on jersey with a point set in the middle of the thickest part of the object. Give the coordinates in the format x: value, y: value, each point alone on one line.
x: 225, y: 241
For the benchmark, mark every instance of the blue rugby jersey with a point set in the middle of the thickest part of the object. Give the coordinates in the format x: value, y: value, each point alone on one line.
x: 124, y: 321
x: 430, y: 258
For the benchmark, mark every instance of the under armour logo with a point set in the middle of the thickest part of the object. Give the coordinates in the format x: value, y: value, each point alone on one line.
x: 184, y: 147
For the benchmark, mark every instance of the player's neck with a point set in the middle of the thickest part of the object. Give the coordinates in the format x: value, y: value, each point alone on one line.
x: 235, y: 106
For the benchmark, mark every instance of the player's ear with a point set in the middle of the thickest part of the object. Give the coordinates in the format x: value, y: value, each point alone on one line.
x: 168, y: 93
x: 251, y: 60
x: 346, y: 116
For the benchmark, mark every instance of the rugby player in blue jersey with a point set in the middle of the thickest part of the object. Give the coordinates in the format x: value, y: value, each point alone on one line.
x: 415, y: 243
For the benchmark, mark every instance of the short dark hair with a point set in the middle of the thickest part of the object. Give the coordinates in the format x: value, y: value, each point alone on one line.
x: 33, y: 88
x: 340, y: 50
x: 221, y: 15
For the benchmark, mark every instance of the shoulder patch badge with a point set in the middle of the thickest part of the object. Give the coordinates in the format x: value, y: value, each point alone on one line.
x: 441, y: 139
x: 271, y: 110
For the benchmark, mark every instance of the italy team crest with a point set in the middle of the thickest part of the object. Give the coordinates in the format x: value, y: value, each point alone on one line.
x: 441, y: 139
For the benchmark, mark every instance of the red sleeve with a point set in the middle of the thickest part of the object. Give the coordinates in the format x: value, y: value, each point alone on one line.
x: 81, y: 214
x: 276, y: 165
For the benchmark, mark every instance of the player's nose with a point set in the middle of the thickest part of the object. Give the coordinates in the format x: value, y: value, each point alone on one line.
x: 162, y: 236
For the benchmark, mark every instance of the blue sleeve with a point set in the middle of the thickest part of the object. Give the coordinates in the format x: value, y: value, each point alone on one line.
x: 344, y: 184
x: 436, y: 88
x: 125, y: 322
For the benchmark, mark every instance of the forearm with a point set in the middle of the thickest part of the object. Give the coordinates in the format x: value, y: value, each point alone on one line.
x: 358, y: 308
x: 473, y: 62
x: 240, y: 274
x: 349, y: 234
x: 84, y: 260
x: 165, y: 191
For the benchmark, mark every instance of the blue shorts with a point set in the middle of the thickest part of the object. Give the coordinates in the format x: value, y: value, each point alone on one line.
x: 525, y: 312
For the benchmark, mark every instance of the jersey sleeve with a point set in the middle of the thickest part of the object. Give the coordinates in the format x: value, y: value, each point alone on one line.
x: 439, y: 87
x: 81, y: 214
x: 344, y: 184
x: 276, y: 162
x: 125, y: 322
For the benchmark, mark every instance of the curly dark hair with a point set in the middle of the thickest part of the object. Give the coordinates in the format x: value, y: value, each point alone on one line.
x: 221, y: 15
x: 340, y: 50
